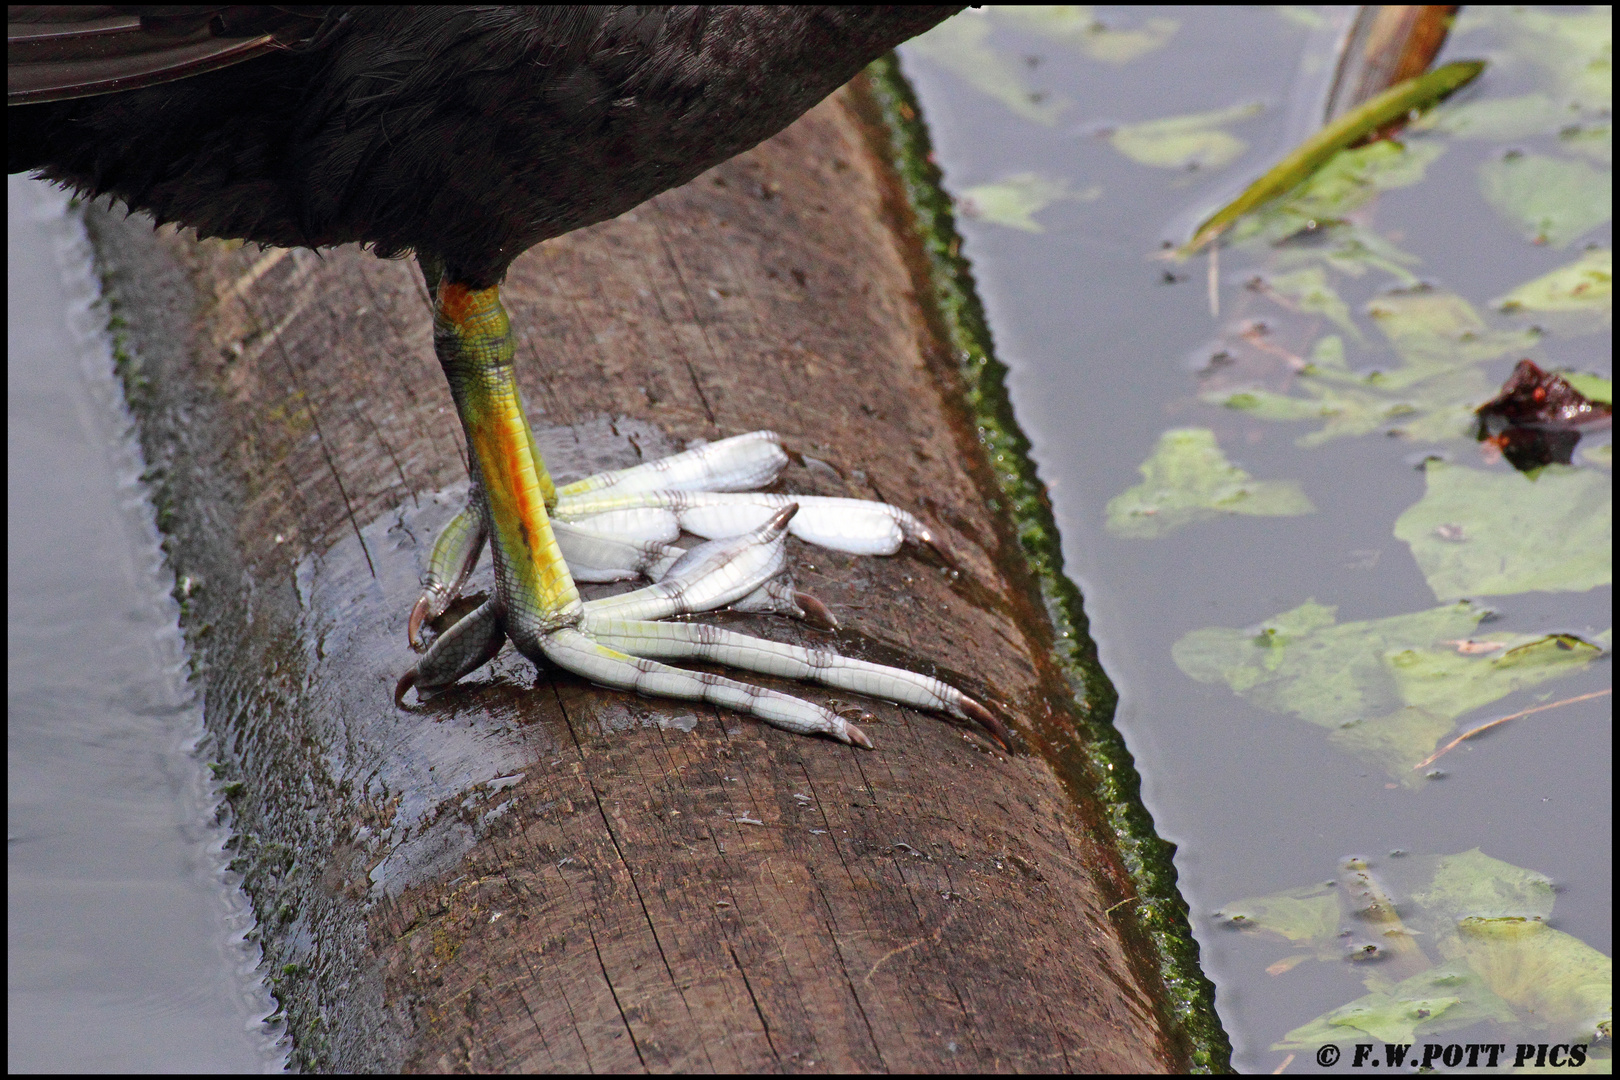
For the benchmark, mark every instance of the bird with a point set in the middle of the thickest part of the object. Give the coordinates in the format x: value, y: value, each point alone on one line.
x: 464, y: 136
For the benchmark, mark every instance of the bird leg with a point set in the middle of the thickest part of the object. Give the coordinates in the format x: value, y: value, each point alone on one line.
x: 616, y: 641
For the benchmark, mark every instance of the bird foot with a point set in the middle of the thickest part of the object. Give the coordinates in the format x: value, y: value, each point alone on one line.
x: 616, y: 526
x: 619, y: 641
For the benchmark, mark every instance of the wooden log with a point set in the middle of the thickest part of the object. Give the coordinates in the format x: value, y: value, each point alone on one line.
x: 533, y: 873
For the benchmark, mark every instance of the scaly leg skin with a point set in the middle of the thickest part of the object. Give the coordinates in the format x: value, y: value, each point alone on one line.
x: 616, y: 641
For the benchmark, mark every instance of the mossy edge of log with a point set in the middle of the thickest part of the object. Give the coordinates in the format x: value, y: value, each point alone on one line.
x: 1098, y: 760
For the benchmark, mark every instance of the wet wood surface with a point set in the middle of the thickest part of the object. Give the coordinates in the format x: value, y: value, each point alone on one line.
x: 532, y: 873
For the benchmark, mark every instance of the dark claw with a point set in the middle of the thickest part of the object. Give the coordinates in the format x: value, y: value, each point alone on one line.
x: 406, y: 681
x: 857, y: 737
x: 988, y: 721
x: 419, y: 615
x: 815, y: 612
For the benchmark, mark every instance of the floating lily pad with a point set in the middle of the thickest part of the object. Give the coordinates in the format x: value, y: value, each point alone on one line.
x: 1079, y: 26
x: 961, y: 45
x: 1188, y: 479
x: 1490, y: 533
x: 1584, y: 288
x: 1550, y: 200
x: 1182, y: 142
x: 1015, y: 200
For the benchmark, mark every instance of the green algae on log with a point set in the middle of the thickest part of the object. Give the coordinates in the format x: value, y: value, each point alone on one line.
x: 1084, y: 745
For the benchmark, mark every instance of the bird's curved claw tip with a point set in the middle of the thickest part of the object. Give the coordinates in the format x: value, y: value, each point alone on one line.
x: 857, y: 737
x: 419, y: 615
x: 406, y: 681
x: 815, y: 612
x: 779, y: 520
x: 987, y: 720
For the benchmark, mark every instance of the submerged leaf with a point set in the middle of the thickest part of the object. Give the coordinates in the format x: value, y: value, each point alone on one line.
x: 1311, y: 293
x: 1482, y: 533
x: 1078, y: 26
x: 1576, y: 46
x: 1499, y: 119
x: 1388, y: 688
x: 1440, y: 999
x: 1309, y: 915
x: 961, y: 45
x: 1340, y: 187
x: 1472, y: 884
x: 1182, y: 142
x: 1437, y: 331
x: 1551, y: 200
x: 1188, y: 479
x: 1555, y: 979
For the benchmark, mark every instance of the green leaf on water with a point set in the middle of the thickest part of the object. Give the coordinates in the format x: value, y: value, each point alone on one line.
x: 1303, y: 662
x: 1309, y: 915
x: 1389, y: 688
x: 1344, y: 184
x: 961, y: 45
x: 1431, y: 395
x: 1489, y: 533
x: 1550, y: 200
x: 1437, y: 332
x: 1188, y: 479
x: 1584, y: 288
x: 1472, y: 884
x: 1499, y: 960
x: 1078, y: 26
x: 1576, y: 47
x: 1014, y: 200
x: 1592, y: 387
x: 1183, y: 142
x: 1449, y: 683
x: 1443, y: 998
x: 1394, y: 742
x: 1554, y: 979
x: 1309, y: 291
x: 1499, y: 119
x: 1590, y: 138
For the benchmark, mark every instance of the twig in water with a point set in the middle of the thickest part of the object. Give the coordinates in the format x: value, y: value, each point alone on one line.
x: 1432, y: 758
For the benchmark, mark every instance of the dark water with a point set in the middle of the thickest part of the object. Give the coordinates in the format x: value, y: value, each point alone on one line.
x: 1104, y: 356
x: 126, y: 947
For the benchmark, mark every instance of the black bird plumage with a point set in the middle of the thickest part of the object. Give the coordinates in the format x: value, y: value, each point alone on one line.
x: 467, y: 133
